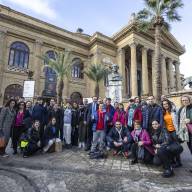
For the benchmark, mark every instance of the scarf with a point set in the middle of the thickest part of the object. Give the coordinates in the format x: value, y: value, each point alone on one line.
x: 119, y: 132
x: 137, y: 134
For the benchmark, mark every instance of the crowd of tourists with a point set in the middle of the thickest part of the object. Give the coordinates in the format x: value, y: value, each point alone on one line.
x: 145, y: 132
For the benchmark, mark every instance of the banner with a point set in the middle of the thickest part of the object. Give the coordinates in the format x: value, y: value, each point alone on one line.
x: 28, y: 89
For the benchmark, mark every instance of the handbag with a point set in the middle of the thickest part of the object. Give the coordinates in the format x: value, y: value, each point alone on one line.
x: 58, y: 146
x: 189, y: 127
x: 175, y: 148
x: 140, y: 153
x: 2, y: 140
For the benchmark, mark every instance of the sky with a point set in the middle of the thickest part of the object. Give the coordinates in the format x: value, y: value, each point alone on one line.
x: 105, y: 16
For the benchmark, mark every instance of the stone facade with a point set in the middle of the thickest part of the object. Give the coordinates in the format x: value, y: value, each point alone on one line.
x: 133, y: 51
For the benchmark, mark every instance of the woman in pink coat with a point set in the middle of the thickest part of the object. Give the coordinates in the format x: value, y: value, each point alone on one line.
x: 143, y: 143
x: 120, y: 115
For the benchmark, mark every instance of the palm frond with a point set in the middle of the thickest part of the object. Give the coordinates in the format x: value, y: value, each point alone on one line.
x: 61, y: 64
x: 173, y: 16
x: 151, y: 3
x: 144, y: 25
x: 143, y: 14
x: 166, y: 26
x: 96, y: 72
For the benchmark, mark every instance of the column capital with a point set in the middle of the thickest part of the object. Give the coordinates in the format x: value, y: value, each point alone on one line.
x: 170, y: 60
x: 178, y: 63
x: 120, y: 51
x: 144, y: 48
x: 133, y: 44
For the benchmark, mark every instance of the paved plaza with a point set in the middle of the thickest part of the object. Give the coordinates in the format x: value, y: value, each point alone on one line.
x: 73, y: 171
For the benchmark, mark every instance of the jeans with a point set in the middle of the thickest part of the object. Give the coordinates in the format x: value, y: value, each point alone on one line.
x: 98, y: 137
x: 67, y: 133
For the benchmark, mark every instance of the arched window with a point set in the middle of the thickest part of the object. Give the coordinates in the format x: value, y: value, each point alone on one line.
x: 77, y: 69
x: 19, y: 55
x: 48, y: 70
x: 13, y: 91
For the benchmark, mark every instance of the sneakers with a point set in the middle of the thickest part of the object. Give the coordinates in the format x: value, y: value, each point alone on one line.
x: 4, y: 155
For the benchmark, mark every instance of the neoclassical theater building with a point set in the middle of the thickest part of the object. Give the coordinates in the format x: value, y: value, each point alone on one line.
x: 24, y: 38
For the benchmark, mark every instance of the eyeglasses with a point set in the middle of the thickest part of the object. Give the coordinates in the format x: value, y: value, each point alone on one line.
x: 118, y: 124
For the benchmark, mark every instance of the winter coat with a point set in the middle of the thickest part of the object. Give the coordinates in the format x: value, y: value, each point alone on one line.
x: 49, y: 134
x: 33, y: 136
x: 154, y: 112
x: 188, y: 116
x: 161, y: 137
x: 40, y: 113
x: 58, y: 115
x: 145, y: 138
x: 110, y: 113
x: 96, y: 118
x: 27, y: 119
x: 88, y: 113
x: 137, y: 115
x: 7, y: 117
x: 120, y: 116
x: 113, y: 135
x: 75, y: 118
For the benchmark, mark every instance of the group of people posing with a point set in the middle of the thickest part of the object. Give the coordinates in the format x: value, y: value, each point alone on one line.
x: 146, y: 132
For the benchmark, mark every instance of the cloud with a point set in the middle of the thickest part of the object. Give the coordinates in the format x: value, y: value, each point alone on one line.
x: 40, y: 7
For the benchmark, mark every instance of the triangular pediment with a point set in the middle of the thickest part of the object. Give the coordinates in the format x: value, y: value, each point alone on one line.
x: 168, y: 40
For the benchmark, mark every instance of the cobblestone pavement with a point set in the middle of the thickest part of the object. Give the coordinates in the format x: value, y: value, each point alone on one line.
x: 73, y: 171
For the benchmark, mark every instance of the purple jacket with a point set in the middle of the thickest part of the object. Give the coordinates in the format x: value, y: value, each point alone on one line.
x: 144, y: 136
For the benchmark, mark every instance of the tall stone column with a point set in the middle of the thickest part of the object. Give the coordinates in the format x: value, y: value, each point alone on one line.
x: 171, y: 76
x: 145, y: 79
x: 164, y: 75
x: 37, y: 67
x: 3, y: 49
x: 121, y: 63
x: 178, y: 76
x: 134, y: 86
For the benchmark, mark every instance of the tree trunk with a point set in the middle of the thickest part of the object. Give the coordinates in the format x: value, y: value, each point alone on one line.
x: 157, y: 64
x: 60, y: 91
x: 97, y: 89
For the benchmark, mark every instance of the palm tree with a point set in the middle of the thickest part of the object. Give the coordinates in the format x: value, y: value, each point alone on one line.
x: 61, y: 64
x: 96, y: 72
x: 158, y: 14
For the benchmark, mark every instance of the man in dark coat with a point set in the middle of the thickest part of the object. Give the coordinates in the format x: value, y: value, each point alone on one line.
x: 89, y: 120
x: 152, y: 112
x: 119, y: 139
x: 40, y: 113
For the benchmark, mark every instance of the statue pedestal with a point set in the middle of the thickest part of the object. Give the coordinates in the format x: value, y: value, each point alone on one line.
x: 114, y: 91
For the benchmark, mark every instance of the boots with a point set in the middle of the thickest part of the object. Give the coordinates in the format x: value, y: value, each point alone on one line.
x: 168, y: 172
